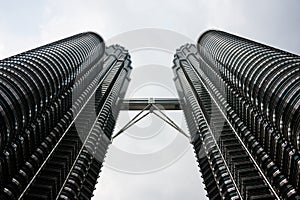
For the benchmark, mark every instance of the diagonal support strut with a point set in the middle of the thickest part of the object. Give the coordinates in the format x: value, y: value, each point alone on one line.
x: 152, y: 107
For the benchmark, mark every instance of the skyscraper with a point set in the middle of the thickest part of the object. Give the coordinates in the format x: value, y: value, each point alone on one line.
x: 58, y: 106
x: 241, y: 101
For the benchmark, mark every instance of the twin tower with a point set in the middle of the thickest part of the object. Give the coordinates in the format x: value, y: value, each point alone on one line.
x: 59, y: 104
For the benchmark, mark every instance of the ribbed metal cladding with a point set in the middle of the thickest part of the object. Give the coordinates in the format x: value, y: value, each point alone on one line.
x: 269, y: 78
x: 257, y: 89
x: 70, y: 94
x: 229, y: 148
x: 206, y: 148
x: 33, y: 80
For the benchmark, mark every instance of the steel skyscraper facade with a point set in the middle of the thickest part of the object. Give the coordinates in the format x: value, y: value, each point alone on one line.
x: 241, y: 101
x: 58, y: 106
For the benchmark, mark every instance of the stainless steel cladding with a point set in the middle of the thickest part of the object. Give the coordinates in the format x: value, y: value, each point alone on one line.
x: 247, y: 96
x: 58, y: 107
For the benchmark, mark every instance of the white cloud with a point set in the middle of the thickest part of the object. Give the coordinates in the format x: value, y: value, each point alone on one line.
x: 2, y: 47
x: 65, y: 18
x: 179, y: 181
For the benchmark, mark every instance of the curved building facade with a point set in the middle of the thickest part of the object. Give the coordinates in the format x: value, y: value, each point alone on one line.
x: 58, y: 107
x: 267, y: 77
x: 249, y: 96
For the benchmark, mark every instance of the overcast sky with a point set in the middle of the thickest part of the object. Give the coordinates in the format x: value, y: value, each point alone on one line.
x: 28, y: 24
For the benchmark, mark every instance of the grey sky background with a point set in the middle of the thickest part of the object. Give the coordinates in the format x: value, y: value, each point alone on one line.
x: 28, y: 24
